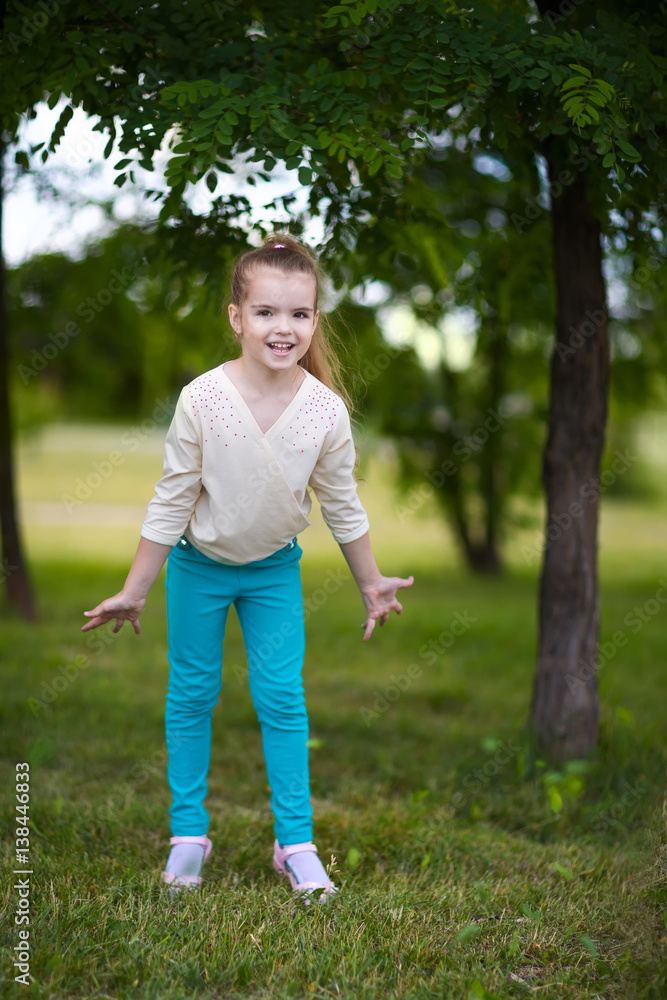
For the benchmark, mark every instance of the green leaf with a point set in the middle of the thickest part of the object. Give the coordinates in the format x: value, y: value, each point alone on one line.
x: 565, y: 872
x: 631, y: 154
x: 606, y: 88
x: 580, y: 69
x: 574, y: 81
x: 555, y: 800
x: 314, y: 743
x: 353, y: 858
x: 211, y: 181
x: 609, y: 160
x: 477, y: 992
x: 590, y: 945
x: 514, y: 944
x: 622, y: 713
x: 531, y: 914
x: 394, y: 169
x: 468, y: 932
x: 305, y: 176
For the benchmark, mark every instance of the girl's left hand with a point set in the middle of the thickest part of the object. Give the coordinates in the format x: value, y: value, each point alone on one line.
x: 380, y: 599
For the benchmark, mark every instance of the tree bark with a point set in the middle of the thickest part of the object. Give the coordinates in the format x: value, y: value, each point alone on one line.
x: 14, y: 570
x: 564, y: 713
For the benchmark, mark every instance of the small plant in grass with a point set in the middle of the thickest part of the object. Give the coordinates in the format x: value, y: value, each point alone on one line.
x: 564, y: 788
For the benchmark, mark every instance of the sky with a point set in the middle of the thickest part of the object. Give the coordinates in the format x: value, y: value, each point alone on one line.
x: 34, y: 224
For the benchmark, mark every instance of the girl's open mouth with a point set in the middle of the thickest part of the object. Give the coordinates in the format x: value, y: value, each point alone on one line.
x: 280, y: 348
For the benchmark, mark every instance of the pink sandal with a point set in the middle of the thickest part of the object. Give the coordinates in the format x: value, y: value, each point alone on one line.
x: 177, y: 881
x: 280, y: 856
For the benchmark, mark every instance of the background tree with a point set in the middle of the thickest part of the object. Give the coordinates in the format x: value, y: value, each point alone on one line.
x: 468, y: 434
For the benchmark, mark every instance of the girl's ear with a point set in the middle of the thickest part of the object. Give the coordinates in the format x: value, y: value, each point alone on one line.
x: 235, y: 318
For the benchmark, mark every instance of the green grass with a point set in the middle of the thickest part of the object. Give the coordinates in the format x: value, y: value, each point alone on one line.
x: 456, y: 874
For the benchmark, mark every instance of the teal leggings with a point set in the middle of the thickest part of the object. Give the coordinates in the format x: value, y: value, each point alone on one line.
x: 268, y: 599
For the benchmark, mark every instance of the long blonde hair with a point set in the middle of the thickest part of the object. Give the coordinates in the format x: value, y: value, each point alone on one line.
x: 287, y: 254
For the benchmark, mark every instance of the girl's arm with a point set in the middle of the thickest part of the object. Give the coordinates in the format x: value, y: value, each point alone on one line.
x: 128, y: 604
x: 378, y: 592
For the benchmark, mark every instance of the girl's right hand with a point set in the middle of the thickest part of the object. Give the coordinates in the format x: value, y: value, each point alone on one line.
x: 123, y: 607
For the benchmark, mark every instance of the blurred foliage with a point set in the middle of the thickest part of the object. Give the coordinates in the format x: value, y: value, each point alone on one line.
x: 448, y: 241
x: 472, y: 431
x: 110, y: 334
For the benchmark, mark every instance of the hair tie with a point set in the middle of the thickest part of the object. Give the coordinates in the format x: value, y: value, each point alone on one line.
x: 278, y: 246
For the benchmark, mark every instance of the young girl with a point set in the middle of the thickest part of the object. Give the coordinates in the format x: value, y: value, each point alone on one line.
x: 247, y: 440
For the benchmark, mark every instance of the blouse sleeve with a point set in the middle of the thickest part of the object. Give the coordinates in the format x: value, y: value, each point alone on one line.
x: 170, y: 510
x: 333, y: 481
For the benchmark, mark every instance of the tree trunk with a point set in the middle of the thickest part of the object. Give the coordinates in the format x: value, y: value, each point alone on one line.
x: 14, y: 570
x: 564, y: 713
x: 490, y: 455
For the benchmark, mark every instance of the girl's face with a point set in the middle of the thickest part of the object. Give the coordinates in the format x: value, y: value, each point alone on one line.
x: 277, y: 319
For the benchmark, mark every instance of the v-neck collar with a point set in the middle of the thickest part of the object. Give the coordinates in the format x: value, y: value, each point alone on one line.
x: 249, y: 411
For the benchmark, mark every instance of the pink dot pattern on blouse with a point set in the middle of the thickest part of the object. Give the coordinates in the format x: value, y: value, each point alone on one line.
x: 219, y: 414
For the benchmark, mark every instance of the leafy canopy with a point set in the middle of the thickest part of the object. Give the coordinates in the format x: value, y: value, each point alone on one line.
x: 346, y: 93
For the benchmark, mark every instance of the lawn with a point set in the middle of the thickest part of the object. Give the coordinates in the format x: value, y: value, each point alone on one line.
x: 467, y: 869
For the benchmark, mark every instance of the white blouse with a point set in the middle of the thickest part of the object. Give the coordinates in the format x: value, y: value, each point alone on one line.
x: 239, y: 494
